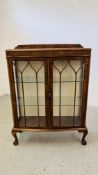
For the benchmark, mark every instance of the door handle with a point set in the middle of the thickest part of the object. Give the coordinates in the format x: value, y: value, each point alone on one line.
x: 49, y: 95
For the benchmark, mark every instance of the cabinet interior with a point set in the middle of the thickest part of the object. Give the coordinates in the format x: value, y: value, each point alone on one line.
x: 29, y: 79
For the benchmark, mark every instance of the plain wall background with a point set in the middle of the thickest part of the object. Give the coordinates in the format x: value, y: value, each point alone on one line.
x: 49, y: 21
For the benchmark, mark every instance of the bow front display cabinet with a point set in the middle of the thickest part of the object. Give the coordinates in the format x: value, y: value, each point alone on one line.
x: 49, y: 87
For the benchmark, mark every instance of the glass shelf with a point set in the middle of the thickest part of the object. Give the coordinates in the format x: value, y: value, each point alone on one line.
x: 29, y: 110
x: 66, y: 101
x: 31, y: 101
x: 56, y: 79
x: 30, y: 79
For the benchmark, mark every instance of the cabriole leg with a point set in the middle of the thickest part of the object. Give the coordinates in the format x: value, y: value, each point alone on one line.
x: 15, y: 136
x: 85, y: 132
x: 83, y: 138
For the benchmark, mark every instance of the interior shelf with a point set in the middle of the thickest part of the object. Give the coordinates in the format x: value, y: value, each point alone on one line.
x: 65, y: 78
x: 32, y: 101
x: 66, y: 121
x: 30, y: 79
x: 32, y: 121
x: 65, y: 101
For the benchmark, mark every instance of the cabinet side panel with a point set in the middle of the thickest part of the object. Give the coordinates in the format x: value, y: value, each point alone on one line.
x: 85, y: 90
x: 12, y: 91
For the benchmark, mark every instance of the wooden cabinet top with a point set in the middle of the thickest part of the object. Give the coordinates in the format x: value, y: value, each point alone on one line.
x: 48, y: 50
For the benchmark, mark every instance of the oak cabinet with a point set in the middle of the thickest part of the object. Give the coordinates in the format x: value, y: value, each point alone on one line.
x: 49, y: 87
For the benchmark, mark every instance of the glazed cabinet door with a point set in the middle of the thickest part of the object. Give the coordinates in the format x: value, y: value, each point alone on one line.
x: 31, y: 81
x: 67, y: 84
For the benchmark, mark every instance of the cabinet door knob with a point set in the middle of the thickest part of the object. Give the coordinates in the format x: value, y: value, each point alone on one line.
x: 49, y: 95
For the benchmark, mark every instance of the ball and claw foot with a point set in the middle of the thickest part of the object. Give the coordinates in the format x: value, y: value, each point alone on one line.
x: 15, y: 136
x: 15, y: 142
x: 85, y: 132
x: 84, y: 142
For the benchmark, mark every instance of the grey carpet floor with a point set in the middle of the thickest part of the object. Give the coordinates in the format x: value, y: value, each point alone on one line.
x: 58, y: 153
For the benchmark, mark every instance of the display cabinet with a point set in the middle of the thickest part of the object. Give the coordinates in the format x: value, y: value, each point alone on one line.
x: 49, y: 87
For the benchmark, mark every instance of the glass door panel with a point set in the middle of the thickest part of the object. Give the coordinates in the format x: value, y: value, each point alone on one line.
x: 67, y: 92
x: 30, y: 90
